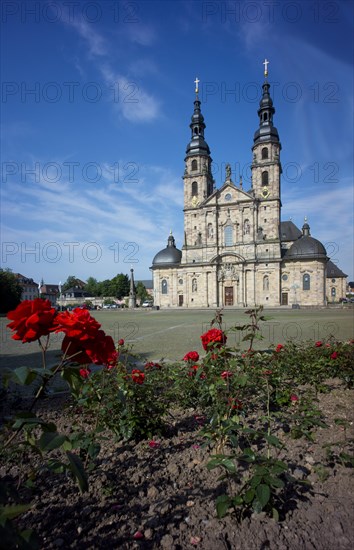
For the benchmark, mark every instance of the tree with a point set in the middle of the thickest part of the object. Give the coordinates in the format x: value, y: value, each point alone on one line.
x: 10, y: 291
x: 92, y: 286
x: 141, y: 292
x: 120, y: 286
x: 70, y: 282
x: 104, y: 288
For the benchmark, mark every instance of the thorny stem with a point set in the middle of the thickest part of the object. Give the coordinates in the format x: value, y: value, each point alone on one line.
x: 62, y: 363
x: 268, y: 416
x: 44, y: 349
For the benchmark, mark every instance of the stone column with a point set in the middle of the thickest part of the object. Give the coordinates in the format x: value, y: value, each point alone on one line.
x: 132, y: 296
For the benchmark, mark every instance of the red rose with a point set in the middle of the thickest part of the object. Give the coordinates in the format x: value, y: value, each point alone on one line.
x: 102, y: 350
x: 294, y: 398
x: 235, y: 403
x: 73, y: 349
x: 32, y: 319
x: 279, y: 348
x: 85, y: 373
x: 193, y: 371
x: 77, y: 324
x: 334, y: 355
x: 191, y: 356
x: 152, y: 365
x: 99, y: 350
x: 138, y: 376
x: 121, y: 342
x: 226, y: 374
x: 318, y: 344
x: 214, y: 338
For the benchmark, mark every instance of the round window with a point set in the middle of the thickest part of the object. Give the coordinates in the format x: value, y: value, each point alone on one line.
x: 180, y: 281
x: 228, y: 196
x: 285, y: 277
x: 333, y: 280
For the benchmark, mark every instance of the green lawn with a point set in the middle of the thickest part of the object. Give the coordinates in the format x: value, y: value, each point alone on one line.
x: 171, y: 333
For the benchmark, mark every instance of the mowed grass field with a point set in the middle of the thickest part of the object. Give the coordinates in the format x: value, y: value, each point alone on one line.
x: 170, y: 334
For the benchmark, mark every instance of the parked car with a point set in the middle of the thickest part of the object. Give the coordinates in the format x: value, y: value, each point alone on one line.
x: 147, y: 303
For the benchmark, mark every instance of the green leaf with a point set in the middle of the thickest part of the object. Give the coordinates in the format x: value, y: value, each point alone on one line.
x: 51, y: 440
x: 24, y: 376
x: 78, y: 471
x: 248, y: 455
x: 274, y: 482
x: 56, y: 466
x: 67, y: 445
x: 272, y: 440
x: 26, y: 418
x: 275, y: 514
x: 237, y: 500
x: 229, y: 465
x: 249, y: 496
x: 11, y: 512
x: 255, y: 481
x: 223, y: 503
x: 263, y: 494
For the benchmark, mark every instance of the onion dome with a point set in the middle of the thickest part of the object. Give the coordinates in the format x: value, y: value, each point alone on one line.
x: 197, y: 145
x: 266, y: 130
x: 306, y: 247
x: 169, y: 256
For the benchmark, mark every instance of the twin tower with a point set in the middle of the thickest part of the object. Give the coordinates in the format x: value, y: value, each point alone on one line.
x: 236, y: 251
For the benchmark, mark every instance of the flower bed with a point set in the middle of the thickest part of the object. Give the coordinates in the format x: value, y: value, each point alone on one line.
x: 242, y: 429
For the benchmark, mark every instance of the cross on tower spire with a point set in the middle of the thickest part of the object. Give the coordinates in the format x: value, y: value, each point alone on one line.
x: 196, y: 82
x: 266, y: 63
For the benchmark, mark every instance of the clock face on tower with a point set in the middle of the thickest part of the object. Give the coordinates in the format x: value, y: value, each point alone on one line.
x: 265, y: 192
x: 195, y: 201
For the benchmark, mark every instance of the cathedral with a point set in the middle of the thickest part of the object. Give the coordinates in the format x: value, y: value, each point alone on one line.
x: 236, y: 251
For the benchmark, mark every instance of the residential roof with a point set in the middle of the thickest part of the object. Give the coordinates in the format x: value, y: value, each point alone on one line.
x: 49, y: 289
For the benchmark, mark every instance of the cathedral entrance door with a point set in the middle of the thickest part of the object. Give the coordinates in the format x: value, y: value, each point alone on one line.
x: 284, y: 298
x: 229, y: 296
x: 180, y: 299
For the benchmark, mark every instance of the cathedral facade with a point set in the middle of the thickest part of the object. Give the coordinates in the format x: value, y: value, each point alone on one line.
x: 237, y: 252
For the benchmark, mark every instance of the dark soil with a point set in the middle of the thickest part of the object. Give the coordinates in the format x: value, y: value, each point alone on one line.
x: 164, y: 497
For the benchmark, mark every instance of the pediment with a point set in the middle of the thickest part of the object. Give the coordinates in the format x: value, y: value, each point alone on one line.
x: 228, y: 194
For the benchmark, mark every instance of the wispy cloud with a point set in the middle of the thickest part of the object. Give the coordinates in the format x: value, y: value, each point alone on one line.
x: 137, y: 104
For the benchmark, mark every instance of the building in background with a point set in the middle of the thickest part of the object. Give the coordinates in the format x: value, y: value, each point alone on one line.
x: 236, y: 249
x: 29, y: 287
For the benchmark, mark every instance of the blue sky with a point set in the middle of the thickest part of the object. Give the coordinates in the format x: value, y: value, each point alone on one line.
x: 96, y: 104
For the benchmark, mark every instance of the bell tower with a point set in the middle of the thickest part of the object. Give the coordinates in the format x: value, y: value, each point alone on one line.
x: 266, y: 166
x: 198, y: 180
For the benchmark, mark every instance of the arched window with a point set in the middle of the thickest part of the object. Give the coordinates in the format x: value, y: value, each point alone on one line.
x: 265, y: 282
x: 228, y: 235
x: 194, y: 165
x: 194, y: 285
x: 333, y: 292
x: 164, y: 286
x: 265, y: 153
x: 265, y: 178
x: 306, y: 282
x: 265, y: 117
x: 246, y: 227
x: 194, y: 189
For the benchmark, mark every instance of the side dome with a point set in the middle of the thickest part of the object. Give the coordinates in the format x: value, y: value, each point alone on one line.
x: 306, y: 247
x: 169, y: 256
